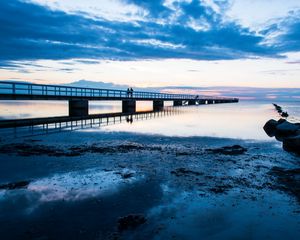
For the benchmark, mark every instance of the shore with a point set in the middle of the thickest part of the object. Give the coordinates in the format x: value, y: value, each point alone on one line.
x: 88, y: 185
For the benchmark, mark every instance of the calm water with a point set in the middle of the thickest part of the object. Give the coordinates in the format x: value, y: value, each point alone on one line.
x: 238, y: 120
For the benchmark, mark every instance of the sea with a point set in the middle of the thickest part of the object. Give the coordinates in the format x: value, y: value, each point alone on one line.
x: 243, y: 120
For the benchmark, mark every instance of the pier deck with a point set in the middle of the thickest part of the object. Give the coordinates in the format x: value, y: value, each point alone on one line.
x: 79, y: 97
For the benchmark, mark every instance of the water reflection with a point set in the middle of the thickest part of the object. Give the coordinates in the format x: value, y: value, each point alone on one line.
x: 223, y: 216
x: 39, y: 126
x: 37, y: 109
x: 76, y: 186
x: 240, y: 120
x: 30, y: 109
x: 243, y: 120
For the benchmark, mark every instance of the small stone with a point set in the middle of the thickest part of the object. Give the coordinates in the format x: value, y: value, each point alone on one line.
x: 229, y: 150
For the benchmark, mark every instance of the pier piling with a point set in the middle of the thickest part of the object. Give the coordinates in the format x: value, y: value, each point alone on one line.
x: 128, y: 106
x: 78, y: 108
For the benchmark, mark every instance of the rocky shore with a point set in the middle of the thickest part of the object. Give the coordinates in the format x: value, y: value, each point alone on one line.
x: 134, y: 186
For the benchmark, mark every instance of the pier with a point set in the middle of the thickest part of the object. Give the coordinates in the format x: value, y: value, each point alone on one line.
x: 79, y: 97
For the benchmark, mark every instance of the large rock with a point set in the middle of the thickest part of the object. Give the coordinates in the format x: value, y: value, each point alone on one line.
x: 286, y: 129
x: 270, y: 127
x: 286, y: 132
x: 292, y: 144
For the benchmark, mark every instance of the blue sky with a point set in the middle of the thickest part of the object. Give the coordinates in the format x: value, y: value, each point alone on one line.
x: 152, y: 43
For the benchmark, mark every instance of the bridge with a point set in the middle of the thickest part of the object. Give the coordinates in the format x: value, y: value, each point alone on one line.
x: 78, y: 97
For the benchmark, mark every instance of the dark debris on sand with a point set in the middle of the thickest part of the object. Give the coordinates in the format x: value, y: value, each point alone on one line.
x: 185, y: 172
x: 288, y: 180
x: 15, y: 185
x: 131, y: 222
x: 122, y: 148
x: 220, y: 189
x: 25, y: 150
x: 228, y: 150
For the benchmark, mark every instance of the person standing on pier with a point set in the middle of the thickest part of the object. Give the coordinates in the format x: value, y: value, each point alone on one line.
x: 131, y: 92
x: 128, y: 92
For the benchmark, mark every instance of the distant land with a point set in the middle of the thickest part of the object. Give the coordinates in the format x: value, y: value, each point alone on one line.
x: 244, y: 93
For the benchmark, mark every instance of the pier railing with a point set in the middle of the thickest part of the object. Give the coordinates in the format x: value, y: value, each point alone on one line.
x: 28, y: 89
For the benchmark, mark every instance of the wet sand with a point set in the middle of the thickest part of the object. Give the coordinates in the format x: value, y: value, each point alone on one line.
x: 89, y: 185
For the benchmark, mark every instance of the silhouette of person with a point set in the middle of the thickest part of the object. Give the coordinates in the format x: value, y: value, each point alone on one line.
x: 128, y: 92
x: 131, y: 92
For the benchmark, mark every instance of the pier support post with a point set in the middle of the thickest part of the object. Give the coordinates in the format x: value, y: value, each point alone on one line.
x: 158, y: 105
x: 177, y: 103
x: 78, y: 108
x: 128, y: 106
x: 210, y: 101
x: 191, y: 102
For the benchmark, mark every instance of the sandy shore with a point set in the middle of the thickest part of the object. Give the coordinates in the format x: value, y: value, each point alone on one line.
x: 87, y: 185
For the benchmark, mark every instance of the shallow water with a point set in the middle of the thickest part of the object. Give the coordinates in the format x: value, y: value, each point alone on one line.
x: 242, y: 120
x: 82, y: 197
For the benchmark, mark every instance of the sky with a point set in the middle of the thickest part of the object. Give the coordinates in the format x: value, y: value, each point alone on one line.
x: 152, y: 43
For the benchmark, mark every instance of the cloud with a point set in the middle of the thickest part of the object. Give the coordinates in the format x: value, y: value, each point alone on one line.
x: 180, y: 29
x: 259, y: 13
x: 290, y: 40
x: 108, y: 9
x: 155, y: 8
x: 284, y: 34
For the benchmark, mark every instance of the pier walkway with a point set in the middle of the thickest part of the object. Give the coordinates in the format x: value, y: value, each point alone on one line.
x: 79, y: 97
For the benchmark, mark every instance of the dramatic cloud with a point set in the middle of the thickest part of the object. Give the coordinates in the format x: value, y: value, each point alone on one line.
x: 170, y: 29
x: 290, y: 39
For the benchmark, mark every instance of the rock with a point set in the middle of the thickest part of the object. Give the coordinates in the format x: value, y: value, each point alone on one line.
x: 286, y: 132
x: 277, y: 107
x: 280, y: 111
x: 286, y: 129
x: 292, y: 144
x: 16, y: 185
x: 270, y: 127
x: 127, y: 175
x: 131, y: 221
x: 281, y: 120
x: 229, y: 150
